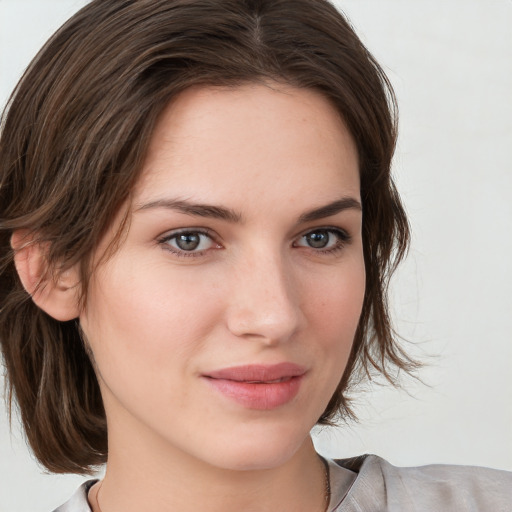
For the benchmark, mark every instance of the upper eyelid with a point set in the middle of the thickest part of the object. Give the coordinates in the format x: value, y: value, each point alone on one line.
x: 335, y: 229
x: 211, y: 232
x: 167, y: 235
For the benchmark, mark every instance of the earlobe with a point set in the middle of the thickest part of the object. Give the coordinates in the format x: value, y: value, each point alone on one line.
x: 58, y: 297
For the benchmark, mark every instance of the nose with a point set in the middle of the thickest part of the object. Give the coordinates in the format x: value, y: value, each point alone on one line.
x: 264, y: 301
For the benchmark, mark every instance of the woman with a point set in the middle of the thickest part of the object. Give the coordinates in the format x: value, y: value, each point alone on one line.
x: 196, y: 196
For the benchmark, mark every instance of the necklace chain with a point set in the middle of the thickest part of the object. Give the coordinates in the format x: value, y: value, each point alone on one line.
x: 327, y: 488
x: 327, y: 482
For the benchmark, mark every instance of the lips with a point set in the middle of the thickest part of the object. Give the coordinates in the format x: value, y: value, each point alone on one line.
x: 261, y: 387
x: 259, y: 373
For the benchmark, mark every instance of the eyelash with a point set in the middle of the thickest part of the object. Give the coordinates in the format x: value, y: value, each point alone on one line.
x: 164, y: 242
x: 343, y: 238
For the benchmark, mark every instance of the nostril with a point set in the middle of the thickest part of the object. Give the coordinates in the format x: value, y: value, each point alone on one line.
x: 264, y: 304
x: 271, y: 324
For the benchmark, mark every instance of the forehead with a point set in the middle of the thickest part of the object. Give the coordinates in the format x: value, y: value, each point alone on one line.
x: 249, y: 142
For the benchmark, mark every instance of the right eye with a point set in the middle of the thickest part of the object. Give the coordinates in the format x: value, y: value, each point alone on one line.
x: 188, y: 242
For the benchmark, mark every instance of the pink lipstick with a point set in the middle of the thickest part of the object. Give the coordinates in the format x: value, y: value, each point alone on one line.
x: 261, y: 387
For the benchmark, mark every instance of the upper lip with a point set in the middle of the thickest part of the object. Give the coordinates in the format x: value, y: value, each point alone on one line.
x: 258, y: 372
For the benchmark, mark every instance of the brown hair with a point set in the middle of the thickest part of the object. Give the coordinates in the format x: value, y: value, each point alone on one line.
x: 74, y: 135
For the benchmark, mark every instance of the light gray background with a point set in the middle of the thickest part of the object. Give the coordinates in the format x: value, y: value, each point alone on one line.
x: 451, y: 64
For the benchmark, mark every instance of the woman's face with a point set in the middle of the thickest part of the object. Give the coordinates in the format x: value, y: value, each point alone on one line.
x: 222, y: 325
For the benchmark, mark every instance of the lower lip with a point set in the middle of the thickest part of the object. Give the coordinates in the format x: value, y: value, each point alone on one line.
x: 261, y: 396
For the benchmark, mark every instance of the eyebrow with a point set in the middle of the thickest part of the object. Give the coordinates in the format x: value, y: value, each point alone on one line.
x: 227, y: 214
x: 340, y: 205
x: 195, y: 209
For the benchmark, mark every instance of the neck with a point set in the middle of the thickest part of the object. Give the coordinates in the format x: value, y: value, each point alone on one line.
x: 149, y: 477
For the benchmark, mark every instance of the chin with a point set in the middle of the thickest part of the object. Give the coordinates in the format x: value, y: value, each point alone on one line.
x: 257, y: 450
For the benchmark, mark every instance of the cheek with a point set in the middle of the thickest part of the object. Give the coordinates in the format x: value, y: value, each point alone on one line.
x: 334, y: 308
x: 146, y: 325
x: 146, y: 314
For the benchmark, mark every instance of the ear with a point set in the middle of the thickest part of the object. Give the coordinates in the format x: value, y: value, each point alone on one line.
x: 58, y: 297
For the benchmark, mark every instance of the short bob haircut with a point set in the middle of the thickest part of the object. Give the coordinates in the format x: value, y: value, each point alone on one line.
x: 74, y: 137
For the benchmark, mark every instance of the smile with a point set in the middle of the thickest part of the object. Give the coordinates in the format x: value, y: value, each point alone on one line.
x: 259, y: 387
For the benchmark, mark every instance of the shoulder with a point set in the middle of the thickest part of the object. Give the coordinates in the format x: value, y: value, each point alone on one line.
x: 78, y: 502
x: 382, y: 486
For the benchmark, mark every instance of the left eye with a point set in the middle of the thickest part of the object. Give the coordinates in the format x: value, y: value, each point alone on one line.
x: 323, y: 239
x: 188, y: 241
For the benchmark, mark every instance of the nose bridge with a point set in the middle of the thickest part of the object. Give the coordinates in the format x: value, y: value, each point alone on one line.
x: 264, y: 302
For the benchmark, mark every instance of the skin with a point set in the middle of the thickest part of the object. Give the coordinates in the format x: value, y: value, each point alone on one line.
x: 158, y: 318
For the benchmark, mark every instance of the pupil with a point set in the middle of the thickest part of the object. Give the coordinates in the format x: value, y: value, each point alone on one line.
x: 188, y: 241
x: 318, y: 239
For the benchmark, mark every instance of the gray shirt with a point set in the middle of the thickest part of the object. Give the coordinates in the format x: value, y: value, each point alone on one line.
x: 377, y: 486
